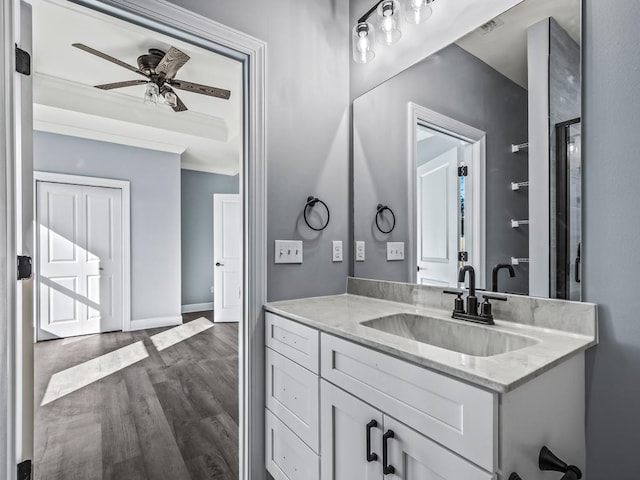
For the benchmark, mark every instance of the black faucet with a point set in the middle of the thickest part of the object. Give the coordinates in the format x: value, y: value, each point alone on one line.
x: 472, y: 300
x: 496, y: 270
x: 471, y: 314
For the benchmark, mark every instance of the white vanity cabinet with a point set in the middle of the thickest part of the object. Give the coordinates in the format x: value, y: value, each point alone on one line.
x: 331, y: 405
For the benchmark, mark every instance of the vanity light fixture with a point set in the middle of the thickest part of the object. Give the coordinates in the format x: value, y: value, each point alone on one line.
x: 387, y: 23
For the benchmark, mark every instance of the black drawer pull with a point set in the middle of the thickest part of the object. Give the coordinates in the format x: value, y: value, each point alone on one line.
x: 371, y: 457
x: 386, y: 468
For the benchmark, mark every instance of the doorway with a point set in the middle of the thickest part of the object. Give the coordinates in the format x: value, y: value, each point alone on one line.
x: 165, y: 17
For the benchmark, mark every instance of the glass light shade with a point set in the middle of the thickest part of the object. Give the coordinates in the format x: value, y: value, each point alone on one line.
x: 151, y: 93
x: 389, y: 22
x: 417, y: 11
x: 170, y: 99
x: 363, y: 36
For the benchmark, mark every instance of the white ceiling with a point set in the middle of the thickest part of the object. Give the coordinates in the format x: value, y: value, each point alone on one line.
x: 207, y: 136
x: 505, y: 47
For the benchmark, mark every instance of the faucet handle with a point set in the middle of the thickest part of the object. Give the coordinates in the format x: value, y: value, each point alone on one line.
x: 458, y: 304
x: 453, y: 292
x: 487, y: 296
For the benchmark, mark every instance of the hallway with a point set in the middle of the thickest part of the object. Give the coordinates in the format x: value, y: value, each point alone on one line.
x: 169, y: 410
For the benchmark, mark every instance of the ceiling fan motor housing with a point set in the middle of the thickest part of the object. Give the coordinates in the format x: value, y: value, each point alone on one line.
x: 148, y: 62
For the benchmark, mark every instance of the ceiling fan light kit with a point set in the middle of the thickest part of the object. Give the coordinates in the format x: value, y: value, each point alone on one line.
x: 159, y: 69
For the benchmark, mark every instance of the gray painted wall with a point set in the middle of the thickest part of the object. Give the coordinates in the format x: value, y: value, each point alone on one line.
x: 155, y: 211
x: 198, y: 189
x: 457, y: 84
x: 307, y: 129
x: 611, y: 233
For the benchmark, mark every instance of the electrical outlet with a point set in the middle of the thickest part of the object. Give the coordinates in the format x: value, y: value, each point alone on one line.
x: 395, y: 251
x: 288, y: 251
x: 359, y: 251
x: 336, y: 251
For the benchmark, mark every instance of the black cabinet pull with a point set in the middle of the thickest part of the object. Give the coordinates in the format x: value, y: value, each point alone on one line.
x: 386, y: 468
x: 371, y: 457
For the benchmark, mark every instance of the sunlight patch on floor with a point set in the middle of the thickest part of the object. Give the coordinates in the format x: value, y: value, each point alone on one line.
x: 79, y: 376
x: 180, y: 333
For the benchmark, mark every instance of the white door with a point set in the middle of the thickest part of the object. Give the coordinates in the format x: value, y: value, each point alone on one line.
x: 227, y: 257
x: 437, y: 222
x: 415, y: 457
x: 80, y: 270
x: 345, y: 425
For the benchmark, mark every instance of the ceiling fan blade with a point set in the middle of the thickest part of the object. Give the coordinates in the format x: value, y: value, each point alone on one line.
x: 109, y: 58
x: 180, y: 106
x: 202, y: 89
x: 128, y: 83
x: 172, y: 61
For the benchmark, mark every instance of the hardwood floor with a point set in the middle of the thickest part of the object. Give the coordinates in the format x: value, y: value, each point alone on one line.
x: 167, y: 412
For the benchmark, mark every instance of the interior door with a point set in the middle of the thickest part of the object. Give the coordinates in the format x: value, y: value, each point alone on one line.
x: 437, y: 225
x: 80, y: 269
x: 415, y: 457
x: 345, y: 425
x: 227, y: 257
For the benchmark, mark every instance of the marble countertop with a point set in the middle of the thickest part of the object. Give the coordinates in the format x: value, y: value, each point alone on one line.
x: 342, y: 315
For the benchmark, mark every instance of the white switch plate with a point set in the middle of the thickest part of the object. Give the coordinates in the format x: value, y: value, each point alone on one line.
x: 395, y: 251
x: 336, y: 251
x: 359, y: 251
x: 288, y: 251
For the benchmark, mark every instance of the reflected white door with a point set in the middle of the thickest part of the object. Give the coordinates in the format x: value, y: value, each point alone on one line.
x: 227, y: 257
x: 437, y: 210
x: 80, y: 271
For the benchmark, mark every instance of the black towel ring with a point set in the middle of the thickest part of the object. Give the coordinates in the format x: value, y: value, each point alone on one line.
x: 311, y: 202
x: 380, y: 210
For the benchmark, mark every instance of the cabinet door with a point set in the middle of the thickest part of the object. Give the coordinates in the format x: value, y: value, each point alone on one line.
x: 345, y: 423
x: 414, y: 457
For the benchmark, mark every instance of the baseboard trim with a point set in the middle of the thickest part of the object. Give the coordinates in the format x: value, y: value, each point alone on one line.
x: 197, y: 307
x: 157, y: 322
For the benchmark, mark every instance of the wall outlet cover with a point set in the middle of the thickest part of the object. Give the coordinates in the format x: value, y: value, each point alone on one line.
x: 395, y: 251
x: 288, y: 251
x: 360, y: 251
x: 336, y: 250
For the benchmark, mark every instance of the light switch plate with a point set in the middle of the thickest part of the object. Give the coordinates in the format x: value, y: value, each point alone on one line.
x: 359, y: 251
x: 395, y: 251
x: 336, y: 250
x: 288, y: 251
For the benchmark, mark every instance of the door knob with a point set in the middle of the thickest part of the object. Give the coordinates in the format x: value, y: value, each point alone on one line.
x: 218, y: 264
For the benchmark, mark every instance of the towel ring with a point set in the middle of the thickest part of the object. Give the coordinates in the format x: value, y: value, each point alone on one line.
x: 380, y: 210
x: 311, y: 202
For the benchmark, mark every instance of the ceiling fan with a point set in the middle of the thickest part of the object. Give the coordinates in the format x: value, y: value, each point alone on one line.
x: 159, y: 69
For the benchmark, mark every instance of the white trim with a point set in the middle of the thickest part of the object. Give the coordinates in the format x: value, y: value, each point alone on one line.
x: 156, y: 322
x: 197, y: 307
x: 191, y: 27
x: 125, y: 188
x: 477, y: 210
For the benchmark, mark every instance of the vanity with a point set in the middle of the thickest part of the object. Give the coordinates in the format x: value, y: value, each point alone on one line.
x: 381, y: 383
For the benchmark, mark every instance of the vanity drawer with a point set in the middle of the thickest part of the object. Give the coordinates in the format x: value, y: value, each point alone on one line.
x: 292, y: 395
x: 459, y: 416
x: 287, y: 457
x: 293, y: 340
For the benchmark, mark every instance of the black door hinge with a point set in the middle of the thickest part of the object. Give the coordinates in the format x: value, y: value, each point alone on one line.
x: 463, y: 171
x: 24, y: 470
x: 25, y: 267
x: 463, y: 256
x: 23, y: 61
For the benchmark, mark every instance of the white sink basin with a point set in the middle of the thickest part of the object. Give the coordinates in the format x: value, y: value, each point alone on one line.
x: 470, y: 339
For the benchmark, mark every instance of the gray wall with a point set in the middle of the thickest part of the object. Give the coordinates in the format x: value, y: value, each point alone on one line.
x: 197, y: 231
x: 155, y: 211
x: 457, y: 84
x: 308, y: 129
x: 611, y: 233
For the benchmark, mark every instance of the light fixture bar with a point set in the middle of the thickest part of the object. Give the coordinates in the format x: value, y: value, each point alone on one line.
x: 370, y: 12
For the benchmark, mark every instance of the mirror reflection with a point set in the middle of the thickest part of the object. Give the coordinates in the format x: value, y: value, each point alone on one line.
x: 477, y: 152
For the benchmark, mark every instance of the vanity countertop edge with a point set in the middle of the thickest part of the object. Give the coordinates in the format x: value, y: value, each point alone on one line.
x: 342, y: 315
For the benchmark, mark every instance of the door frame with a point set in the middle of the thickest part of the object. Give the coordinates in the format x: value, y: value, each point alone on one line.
x: 477, y: 192
x: 125, y: 189
x: 181, y: 23
x: 213, y: 203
